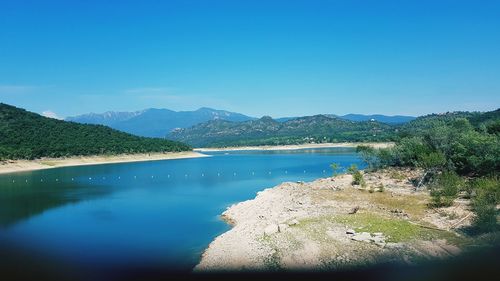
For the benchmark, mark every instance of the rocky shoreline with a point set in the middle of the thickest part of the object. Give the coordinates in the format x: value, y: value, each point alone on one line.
x: 330, y: 224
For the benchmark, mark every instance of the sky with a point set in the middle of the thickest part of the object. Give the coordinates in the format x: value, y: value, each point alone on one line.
x: 277, y: 58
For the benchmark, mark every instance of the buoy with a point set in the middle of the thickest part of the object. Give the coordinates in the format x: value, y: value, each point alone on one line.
x: 286, y: 172
x: 304, y: 171
x: 13, y: 181
x: 26, y: 180
x: 135, y: 177
x: 152, y: 176
x: 269, y: 172
x: 41, y: 180
x: 119, y: 177
x: 253, y: 173
x: 202, y: 174
x: 90, y: 178
x: 218, y: 174
x: 72, y: 179
x: 57, y: 179
x: 234, y: 174
x: 186, y: 175
x: 168, y: 176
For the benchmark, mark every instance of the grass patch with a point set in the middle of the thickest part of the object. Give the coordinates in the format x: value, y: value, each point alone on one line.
x: 396, y: 230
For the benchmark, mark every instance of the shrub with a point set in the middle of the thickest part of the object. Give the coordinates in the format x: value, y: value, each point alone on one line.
x: 445, y: 189
x: 335, y: 167
x: 487, y: 196
x: 357, y: 179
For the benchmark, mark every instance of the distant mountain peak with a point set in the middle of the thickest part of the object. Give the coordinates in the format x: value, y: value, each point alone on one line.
x: 157, y: 122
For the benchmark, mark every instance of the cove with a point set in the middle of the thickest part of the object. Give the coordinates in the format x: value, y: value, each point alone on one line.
x: 158, y: 214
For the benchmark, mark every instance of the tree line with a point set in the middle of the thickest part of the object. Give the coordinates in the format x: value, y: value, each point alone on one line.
x: 459, y: 153
x: 26, y: 135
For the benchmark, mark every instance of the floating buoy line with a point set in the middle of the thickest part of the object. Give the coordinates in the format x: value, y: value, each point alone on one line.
x: 154, y: 177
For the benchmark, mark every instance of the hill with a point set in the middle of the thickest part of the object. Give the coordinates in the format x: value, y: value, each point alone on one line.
x: 27, y: 135
x: 267, y: 131
x: 396, y: 119
x: 157, y: 122
x: 393, y: 120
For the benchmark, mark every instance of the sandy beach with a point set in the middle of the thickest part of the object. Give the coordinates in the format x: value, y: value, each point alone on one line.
x: 11, y: 166
x: 298, y: 146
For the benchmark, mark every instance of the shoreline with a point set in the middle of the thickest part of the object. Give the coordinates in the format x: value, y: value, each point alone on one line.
x: 306, y: 225
x: 297, y: 146
x: 15, y: 166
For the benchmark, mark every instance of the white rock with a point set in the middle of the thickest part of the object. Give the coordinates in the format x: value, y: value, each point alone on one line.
x: 350, y: 231
x: 271, y: 229
x: 282, y: 227
x: 293, y: 222
x: 363, y: 237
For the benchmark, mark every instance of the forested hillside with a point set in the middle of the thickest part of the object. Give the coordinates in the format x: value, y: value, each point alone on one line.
x: 460, y: 154
x: 267, y: 131
x: 27, y: 135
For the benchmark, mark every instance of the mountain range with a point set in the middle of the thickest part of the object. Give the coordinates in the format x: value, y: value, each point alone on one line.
x: 160, y: 122
x: 155, y: 122
x: 267, y: 131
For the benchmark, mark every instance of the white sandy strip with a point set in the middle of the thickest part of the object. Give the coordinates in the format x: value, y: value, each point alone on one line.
x: 298, y: 146
x: 12, y: 166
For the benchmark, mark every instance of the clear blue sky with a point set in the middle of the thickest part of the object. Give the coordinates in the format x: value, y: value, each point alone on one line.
x: 278, y: 58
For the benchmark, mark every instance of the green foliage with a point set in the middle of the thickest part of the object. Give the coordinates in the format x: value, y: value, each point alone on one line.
x: 459, y: 142
x: 266, y: 131
x: 484, y: 203
x: 455, y: 144
x: 26, y: 135
x: 444, y: 189
x: 352, y: 169
x: 357, y: 176
x: 335, y: 167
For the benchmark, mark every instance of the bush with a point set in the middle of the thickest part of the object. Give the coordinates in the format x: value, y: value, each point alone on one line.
x: 357, y: 179
x: 487, y: 196
x: 445, y: 189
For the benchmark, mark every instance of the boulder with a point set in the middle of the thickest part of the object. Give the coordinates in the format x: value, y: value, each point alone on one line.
x: 362, y: 237
x: 282, y: 227
x: 271, y: 229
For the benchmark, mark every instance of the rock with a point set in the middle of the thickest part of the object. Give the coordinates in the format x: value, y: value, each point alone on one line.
x: 394, y: 245
x: 377, y: 239
x: 271, y: 229
x: 362, y: 237
x: 293, y: 222
x: 282, y: 227
x: 380, y: 244
x: 354, y: 210
x: 378, y: 234
x: 350, y: 231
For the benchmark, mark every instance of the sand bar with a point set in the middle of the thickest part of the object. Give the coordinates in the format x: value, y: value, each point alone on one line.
x: 298, y: 146
x: 11, y: 166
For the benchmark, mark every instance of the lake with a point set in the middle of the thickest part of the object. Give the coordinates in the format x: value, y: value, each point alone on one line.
x: 144, y: 214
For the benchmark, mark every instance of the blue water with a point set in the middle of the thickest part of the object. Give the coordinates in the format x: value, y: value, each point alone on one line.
x: 159, y: 213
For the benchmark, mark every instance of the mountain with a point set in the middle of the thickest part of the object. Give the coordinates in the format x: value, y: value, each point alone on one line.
x: 396, y: 119
x: 157, y: 122
x: 267, y: 131
x: 27, y: 135
x: 106, y: 118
